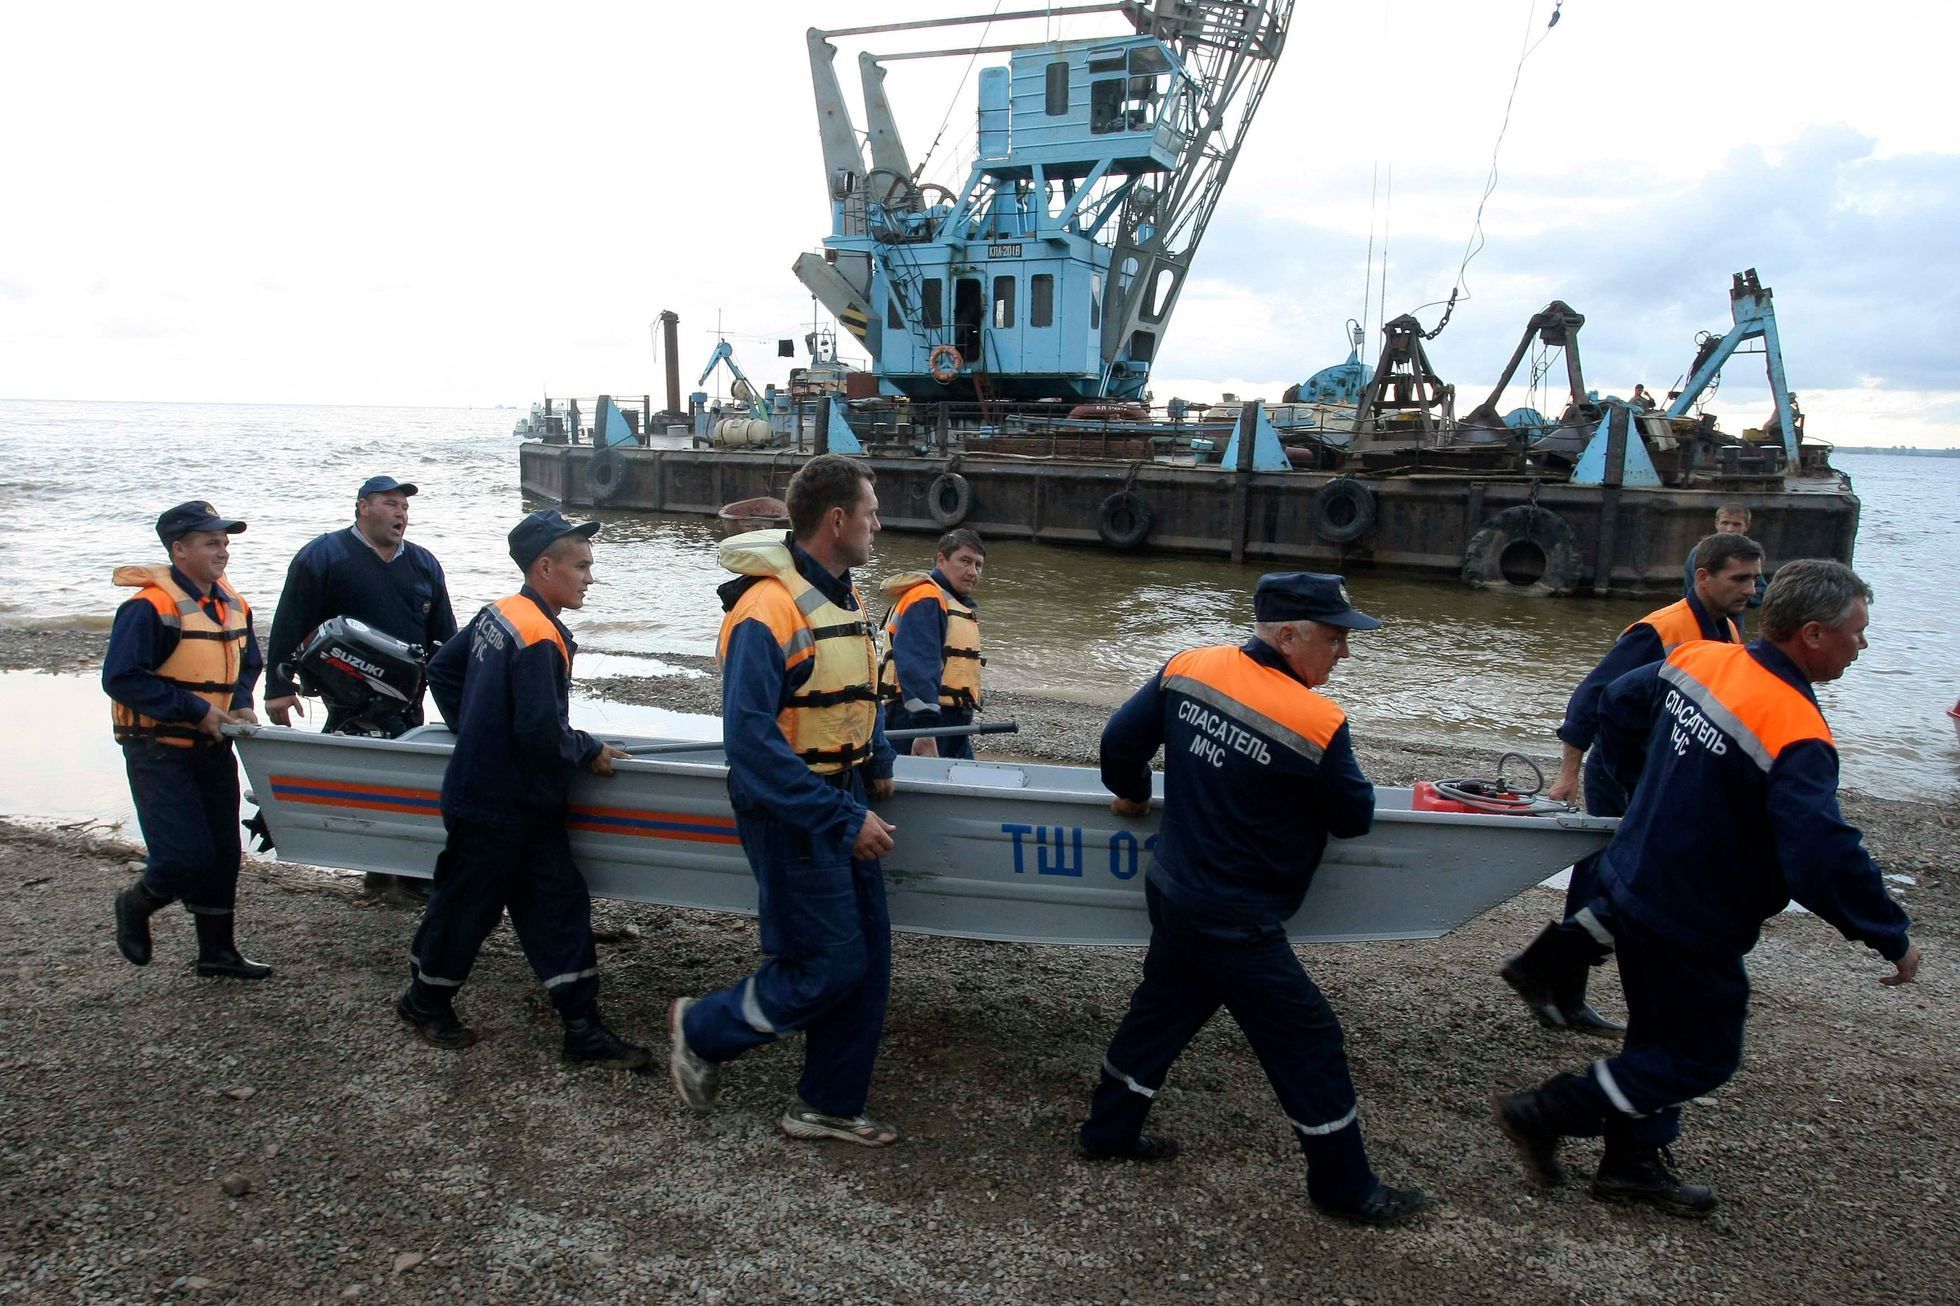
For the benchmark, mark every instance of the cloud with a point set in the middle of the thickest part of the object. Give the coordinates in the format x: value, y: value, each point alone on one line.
x: 1858, y: 247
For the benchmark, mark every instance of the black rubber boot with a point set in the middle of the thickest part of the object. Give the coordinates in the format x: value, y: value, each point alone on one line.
x: 588, y: 1042
x: 1580, y: 1017
x: 1148, y: 1147
x: 217, y: 953
x: 1634, y: 1174
x: 1536, y: 976
x: 1384, y: 1206
x: 134, y: 907
x: 434, y: 1023
x: 1537, y: 1118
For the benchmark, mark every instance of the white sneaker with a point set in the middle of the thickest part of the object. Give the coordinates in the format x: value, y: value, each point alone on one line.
x: 806, y: 1122
x: 696, y: 1079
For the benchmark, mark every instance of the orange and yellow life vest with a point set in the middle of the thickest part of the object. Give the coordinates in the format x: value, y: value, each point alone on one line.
x: 959, y: 654
x: 207, y: 658
x: 1676, y: 625
x: 830, y: 721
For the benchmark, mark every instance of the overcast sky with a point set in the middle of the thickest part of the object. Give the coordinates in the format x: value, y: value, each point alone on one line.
x: 474, y: 204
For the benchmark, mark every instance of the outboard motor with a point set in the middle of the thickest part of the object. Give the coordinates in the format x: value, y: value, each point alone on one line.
x: 371, y: 683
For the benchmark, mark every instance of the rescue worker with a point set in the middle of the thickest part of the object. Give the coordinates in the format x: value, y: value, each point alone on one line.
x: 1735, y: 814
x: 1258, y: 772
x: 1730, y: 519
x: 1550, y: 974
x: 806, y: 755
x: 181, y: 665
x: 503, y: 687
x: 931, y: 672
x: 367, y: 571
x: 1641, y: 399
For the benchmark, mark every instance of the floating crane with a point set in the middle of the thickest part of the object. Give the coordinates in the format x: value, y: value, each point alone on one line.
x: 1053, y: 270
x: 740, y: 388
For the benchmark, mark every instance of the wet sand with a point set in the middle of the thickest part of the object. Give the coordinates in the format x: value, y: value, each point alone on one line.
x: 377, y: 1169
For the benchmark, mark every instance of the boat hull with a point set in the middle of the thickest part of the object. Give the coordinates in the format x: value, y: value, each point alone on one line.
x: 985, y: 850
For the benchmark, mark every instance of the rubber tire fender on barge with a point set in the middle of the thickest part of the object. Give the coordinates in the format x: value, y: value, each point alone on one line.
x: 605, y: 475
x: 1525, y: 548
x: 1343, y: 510
x: 945, y: 514
x: 1123, y: 520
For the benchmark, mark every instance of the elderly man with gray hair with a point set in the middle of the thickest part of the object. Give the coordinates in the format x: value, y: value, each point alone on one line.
x: 1734, y: 814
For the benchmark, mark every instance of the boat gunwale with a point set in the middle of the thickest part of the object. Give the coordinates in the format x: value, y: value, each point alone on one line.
x: 938, y: 787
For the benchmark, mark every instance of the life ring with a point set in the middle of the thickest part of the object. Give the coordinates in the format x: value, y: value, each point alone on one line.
x: 1343, y: 510
x: 605, y: 475
x: 1527, y: 549
x: 949, y: 500
x: 1123, y: 520
x: 944, y: 363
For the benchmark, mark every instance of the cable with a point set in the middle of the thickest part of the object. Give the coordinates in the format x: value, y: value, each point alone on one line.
x: 1474, y: 246
x: 1388, y: 208
x: 919, y: 170
x: 1368, y: 277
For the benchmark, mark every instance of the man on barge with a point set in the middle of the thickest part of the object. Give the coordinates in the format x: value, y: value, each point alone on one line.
x: 1258, y: 773
x: 1735, y: 813
x: 1550, y: 974
x: 931, y: 672
x: 806, y: 755
x: 504, y: 688
x: 181, y: 665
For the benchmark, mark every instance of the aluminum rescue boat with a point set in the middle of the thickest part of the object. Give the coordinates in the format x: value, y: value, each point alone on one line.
x: 1000, y: 850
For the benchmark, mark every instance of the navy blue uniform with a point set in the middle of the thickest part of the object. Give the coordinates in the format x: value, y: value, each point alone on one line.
x: 1258, y: 774
x: 1734, y: 814
x: 186, y: 797
x: 504, y: 688
x: 1641, y: 643
x: 340, y: 575
x: 824, y: 923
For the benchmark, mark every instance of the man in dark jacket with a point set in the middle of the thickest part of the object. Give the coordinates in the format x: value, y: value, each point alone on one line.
x: 1258, y: 773
x: 1735, y: 813
x: 367, y: 571
x: 806, y: 758
x: 181, y: 665
x: 504, y: 688
x: 1550, y: 974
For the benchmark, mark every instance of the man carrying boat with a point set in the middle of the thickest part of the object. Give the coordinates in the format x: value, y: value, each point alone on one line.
x: 1735, y: 813
x: 931, y: 672
x: 1258, y: 772
x: 370, y: 572
x: 181, y: 665
x: 503, y: 687
x: 806, y: 754
x: 1550, y: 975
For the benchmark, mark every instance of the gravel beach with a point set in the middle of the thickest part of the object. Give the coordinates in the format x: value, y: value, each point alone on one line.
x: 167, y: 1138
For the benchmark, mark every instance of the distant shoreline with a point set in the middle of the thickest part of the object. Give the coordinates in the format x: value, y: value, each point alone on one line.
x: 1899, y: 451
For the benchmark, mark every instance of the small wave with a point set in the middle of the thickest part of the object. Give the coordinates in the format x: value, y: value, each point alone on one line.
x: 90, y: 624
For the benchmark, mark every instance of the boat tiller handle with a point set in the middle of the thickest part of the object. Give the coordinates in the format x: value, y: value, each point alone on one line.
x: 954, y: 732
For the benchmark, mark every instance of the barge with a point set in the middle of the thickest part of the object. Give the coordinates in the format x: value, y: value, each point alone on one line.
x: 1013, y: 318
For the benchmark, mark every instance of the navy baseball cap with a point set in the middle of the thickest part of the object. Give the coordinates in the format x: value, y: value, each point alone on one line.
x: 540, y: 531
x: 383, y: 484
x: 1308, y: 596
x: 196, y: 515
